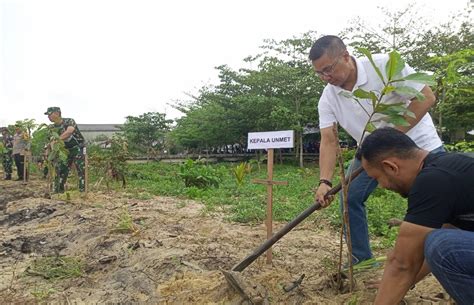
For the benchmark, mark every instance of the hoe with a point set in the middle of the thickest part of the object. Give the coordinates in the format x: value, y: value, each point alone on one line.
x: 233, y: 276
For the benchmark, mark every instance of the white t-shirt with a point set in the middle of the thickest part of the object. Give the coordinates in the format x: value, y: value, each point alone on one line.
x: 334, y: 107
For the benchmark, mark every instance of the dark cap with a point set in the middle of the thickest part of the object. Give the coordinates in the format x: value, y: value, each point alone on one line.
x: 2, y: 129
x: 52, y: 109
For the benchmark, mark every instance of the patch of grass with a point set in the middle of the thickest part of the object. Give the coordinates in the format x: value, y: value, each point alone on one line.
x: 42, y: 293
x: 125, y: 223
x: 247, y: 202
x: 381, y: 206
x: 56, y: 267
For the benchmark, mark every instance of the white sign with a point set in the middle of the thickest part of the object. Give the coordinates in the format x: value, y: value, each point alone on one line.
x: 271, y: 139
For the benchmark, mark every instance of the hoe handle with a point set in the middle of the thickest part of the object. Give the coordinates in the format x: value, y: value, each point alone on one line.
x: 289, y: 226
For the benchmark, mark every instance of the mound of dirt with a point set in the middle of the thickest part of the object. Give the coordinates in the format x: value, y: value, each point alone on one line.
x: 162, y: 250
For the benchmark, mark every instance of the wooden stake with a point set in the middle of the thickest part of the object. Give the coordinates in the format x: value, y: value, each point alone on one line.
x: 25, y: 167
x: 86, y: 172
x: 269, y: 202
x: 269, y: 183
x: 345, y: 187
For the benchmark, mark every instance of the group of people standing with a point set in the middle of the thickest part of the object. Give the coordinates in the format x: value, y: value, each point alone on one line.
x: 17, y: 147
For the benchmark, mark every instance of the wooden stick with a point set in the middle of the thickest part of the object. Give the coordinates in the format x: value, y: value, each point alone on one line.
x: 269, y: 202
x: 25, y: 167
x: 345, y: 205
x: 86, y: 172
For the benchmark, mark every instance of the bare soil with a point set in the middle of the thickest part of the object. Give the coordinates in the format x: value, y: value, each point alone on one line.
x: 174, y: 256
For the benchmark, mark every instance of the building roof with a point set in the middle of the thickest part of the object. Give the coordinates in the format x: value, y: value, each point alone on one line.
x: 99, y: 127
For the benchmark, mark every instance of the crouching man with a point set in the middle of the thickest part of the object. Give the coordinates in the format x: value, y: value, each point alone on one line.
x: 440, y: 192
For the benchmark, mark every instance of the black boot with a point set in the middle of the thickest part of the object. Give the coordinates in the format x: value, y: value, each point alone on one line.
x: 8, y: 177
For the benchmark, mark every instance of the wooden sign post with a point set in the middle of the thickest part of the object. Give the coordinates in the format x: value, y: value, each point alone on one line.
x: 269, y: 141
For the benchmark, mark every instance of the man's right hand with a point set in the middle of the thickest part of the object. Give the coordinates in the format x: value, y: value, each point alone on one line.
x: 321, y: 192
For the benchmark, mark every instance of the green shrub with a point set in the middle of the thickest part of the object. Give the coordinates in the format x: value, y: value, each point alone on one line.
x: 462, y: 146
x: 200, y: 176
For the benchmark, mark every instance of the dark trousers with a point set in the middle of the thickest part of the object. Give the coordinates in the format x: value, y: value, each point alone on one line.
x: 20, y: 165
x: 76, y: 156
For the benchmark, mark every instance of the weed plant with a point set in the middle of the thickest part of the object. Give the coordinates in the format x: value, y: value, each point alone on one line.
x: 56, y: 267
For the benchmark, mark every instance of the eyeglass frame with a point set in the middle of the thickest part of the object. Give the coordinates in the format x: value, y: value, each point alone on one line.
x: 329, y: 69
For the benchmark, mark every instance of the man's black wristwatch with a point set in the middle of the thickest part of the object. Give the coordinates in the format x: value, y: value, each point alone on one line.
x: 327, y: 182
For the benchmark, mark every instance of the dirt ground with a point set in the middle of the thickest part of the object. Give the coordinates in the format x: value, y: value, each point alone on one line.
x: 173, y: 256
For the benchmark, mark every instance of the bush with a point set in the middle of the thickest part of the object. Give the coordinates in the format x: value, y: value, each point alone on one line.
x: 462, y: 146
x: 200, y: 176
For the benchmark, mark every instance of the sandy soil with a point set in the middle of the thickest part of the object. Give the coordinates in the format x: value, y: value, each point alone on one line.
x: 173, y: 257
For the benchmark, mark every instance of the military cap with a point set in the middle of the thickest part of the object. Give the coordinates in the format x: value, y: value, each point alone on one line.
x: 52, y: 109
x: 2, y: 129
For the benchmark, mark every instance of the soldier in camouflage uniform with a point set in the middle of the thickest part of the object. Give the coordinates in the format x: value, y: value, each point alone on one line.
x: 74, y: 143
x: 7, y: 139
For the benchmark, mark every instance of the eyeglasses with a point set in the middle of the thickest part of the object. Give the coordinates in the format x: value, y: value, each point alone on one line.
x: 329, y: 69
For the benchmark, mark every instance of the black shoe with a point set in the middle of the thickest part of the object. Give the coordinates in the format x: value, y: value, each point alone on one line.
x: 8, y: 177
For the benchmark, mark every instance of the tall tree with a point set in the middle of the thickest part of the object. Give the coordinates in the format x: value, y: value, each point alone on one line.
x: 146, y: 132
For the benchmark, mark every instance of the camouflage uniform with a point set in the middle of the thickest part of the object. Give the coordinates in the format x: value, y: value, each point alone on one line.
x: 75, y: 146
x: 7, y: 155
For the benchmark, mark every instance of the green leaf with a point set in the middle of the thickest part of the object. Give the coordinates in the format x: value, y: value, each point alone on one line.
x: 382, y: 107
x: 370, y: 127
x: 410, y: 114
x: 346, y: 94
x: 422, y: 78
x: 360, y: 93
x: 397, y: 108
x: 395, y: 65
x: 367, y: 53
x: 404, y: 90
x: 388, y: 89
x: 398, y: 120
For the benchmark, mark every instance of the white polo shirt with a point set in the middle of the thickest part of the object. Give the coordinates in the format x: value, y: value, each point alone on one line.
x: 334, y: 107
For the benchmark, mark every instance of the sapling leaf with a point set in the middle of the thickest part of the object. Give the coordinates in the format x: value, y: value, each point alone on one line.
x: 395, y: 65
x: 361, y: 93
x: 396, y: 108
x: 346, y: 94
x: 382, y: 107
x: 388, y: 89
x: 398, y: 120
x: 367, y: 53
x: 403, y: 90
x: 410, y: 114
x: 419, y: 77
x: 370, y: 127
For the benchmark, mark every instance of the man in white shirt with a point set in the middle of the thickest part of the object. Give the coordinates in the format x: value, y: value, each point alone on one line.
x: 343, y: 72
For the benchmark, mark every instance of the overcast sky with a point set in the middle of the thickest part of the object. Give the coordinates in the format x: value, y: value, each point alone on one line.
x: 101, y: 60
